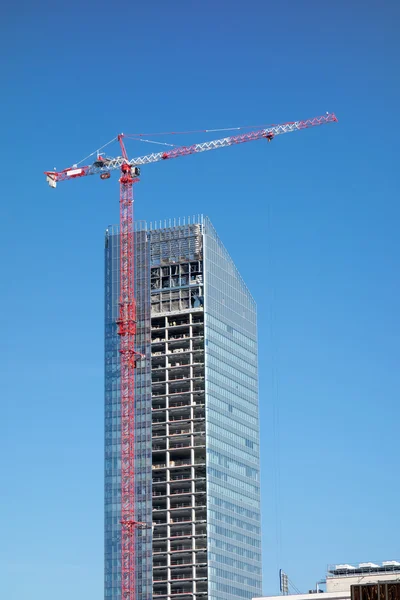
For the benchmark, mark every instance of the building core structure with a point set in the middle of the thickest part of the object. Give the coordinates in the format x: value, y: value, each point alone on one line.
x: 197, y: 461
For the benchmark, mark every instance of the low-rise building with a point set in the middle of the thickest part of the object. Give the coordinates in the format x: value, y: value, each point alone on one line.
x: 326, y: 596
x: 340, y: 579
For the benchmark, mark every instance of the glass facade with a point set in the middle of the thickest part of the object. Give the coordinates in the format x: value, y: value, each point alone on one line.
x: 112, y: 448
x: 112, y: 477
x: 232, y: 428
x: 197, y: 430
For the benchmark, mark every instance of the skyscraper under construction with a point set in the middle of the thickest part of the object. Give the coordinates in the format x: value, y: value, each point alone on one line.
x: 197, y: 488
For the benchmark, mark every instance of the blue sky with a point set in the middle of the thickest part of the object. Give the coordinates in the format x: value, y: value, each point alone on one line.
x: 311, y: 221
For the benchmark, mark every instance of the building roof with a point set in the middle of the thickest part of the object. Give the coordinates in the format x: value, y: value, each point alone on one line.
x: 349, y: 570
x: 323, y: 595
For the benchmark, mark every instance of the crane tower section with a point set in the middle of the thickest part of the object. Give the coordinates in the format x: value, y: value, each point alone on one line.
x: 126, y: 331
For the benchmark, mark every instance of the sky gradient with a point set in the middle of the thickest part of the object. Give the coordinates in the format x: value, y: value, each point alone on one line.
x: 311, y: 221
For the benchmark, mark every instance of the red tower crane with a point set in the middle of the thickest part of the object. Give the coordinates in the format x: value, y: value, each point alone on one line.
x: 126, y: 322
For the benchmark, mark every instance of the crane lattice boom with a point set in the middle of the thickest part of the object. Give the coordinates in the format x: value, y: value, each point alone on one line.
x: 126, y: 322
x: 105, y: 165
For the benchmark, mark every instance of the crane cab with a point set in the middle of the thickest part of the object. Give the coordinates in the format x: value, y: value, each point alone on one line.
x: 135, y: 171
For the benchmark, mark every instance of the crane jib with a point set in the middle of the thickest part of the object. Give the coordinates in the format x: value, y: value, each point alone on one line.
x: 104, y: 165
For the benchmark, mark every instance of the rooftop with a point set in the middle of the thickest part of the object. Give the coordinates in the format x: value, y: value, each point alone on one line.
x: 348, y: 570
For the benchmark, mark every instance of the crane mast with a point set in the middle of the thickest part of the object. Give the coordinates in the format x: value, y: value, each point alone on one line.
x: 126, y: 321
x: 126, y: 330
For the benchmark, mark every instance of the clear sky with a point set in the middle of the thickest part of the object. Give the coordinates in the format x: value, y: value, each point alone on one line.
x: 311, y: 220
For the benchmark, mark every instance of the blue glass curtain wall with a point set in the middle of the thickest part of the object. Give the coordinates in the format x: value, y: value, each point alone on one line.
x: 112, y: 510
x: 232, y: 428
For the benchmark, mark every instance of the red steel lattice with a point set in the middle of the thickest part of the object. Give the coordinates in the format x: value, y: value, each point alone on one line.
x: 126, y: 331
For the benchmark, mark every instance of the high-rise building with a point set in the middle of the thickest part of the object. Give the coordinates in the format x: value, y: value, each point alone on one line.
x: 196, y: 418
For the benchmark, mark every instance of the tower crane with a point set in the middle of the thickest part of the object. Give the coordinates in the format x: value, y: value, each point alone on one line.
x: 126, y: 322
